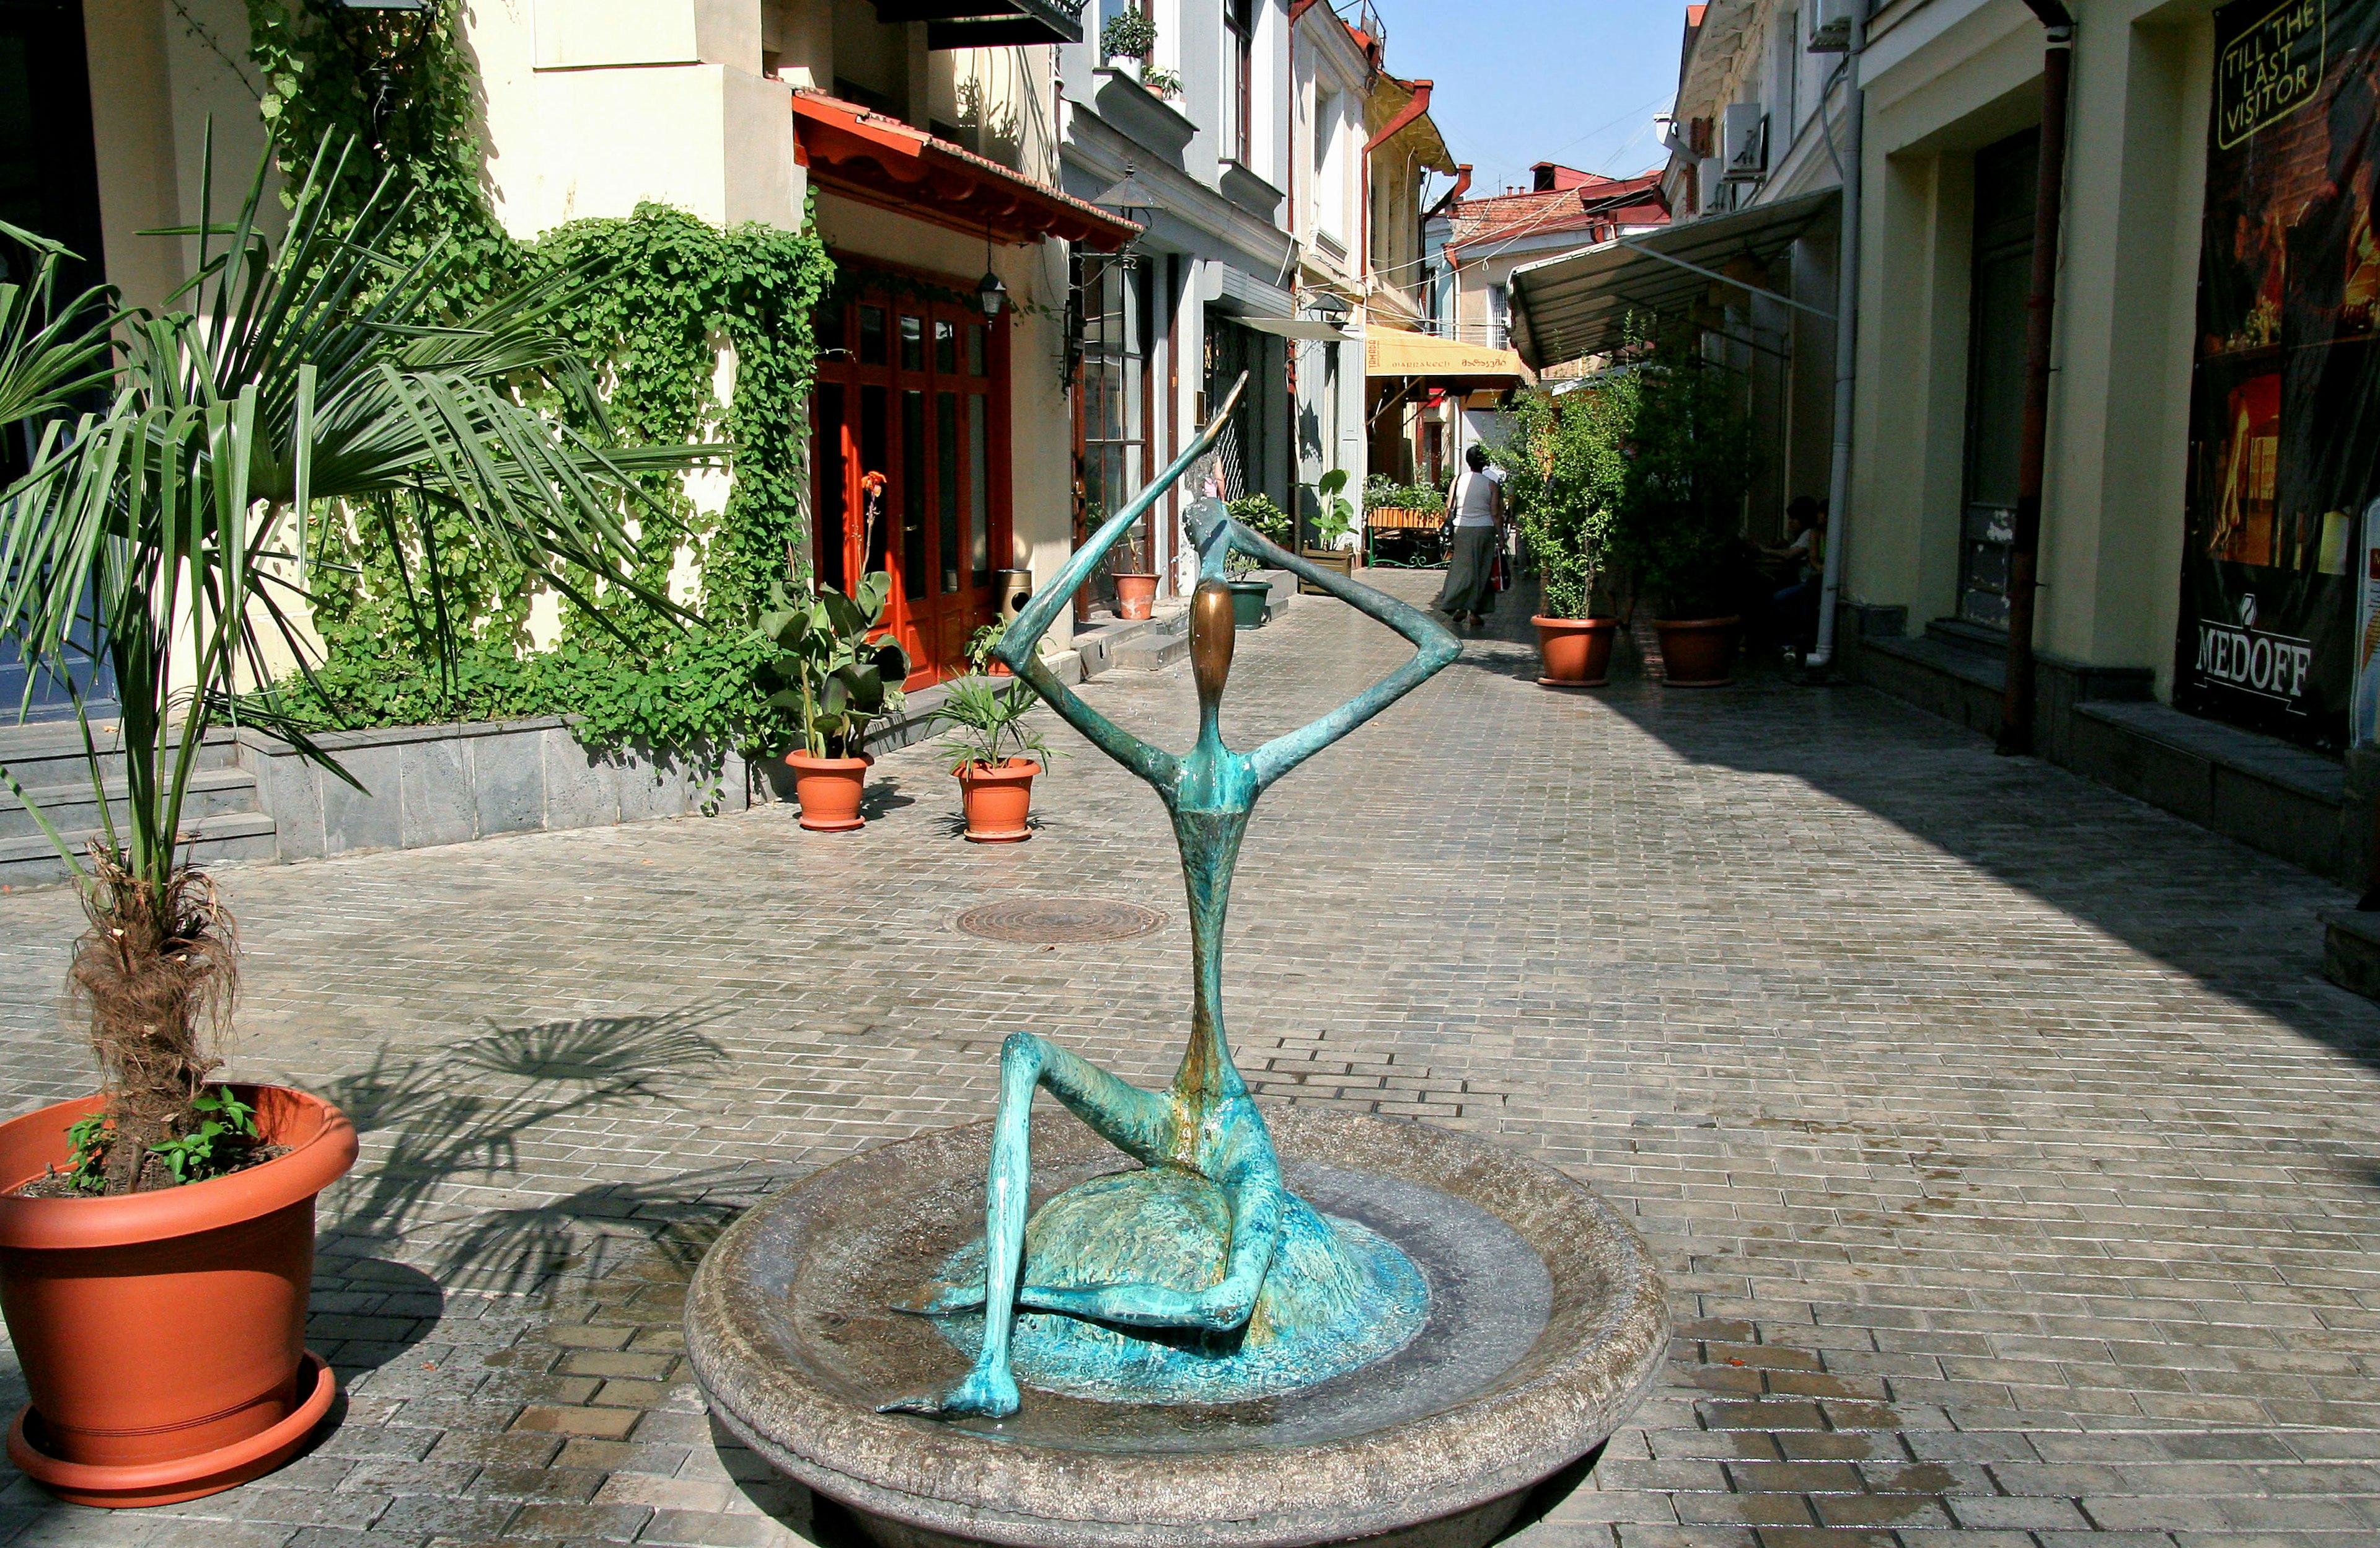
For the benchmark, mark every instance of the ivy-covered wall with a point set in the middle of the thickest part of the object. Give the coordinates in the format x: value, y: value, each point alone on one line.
x: 681, y: 309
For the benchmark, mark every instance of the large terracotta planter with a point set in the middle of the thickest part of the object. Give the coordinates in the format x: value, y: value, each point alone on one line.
x: 1136, y: 596
x: 998, y: 799
x: 162, y: 1334
x: 830, y: 790
x: 1698, y: 653
x: 1340, y: 560
x: 1576, y: 651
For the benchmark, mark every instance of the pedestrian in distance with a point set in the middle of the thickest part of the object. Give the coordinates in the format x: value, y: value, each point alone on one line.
x: 1474, y: 533
x: 1794, y: 608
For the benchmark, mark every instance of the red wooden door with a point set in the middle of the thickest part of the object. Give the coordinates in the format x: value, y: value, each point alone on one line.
x: 915, y: 390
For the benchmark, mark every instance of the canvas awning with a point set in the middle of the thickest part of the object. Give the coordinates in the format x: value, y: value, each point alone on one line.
x: 867, y: 156
x: 1388, y: 353
x: 1567, y: 308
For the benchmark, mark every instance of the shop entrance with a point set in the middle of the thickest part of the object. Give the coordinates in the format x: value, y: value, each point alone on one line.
x: 910, y: 463
x: 2003, y: 280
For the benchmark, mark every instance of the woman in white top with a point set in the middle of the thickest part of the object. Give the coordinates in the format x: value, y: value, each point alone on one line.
x: 1475, y: 509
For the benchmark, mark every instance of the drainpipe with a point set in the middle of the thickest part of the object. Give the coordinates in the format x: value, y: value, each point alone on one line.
x: 1839, y: 481
x: 2033, y: 449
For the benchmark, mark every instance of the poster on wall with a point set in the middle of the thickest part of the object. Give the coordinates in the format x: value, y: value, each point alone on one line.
x: 2285, y: 404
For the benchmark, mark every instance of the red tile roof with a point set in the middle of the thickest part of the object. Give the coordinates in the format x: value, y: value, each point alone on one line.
x: 1597, y: 206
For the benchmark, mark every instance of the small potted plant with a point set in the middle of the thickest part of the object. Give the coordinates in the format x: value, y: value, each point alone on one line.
x: 1127, y: 39
x: 1679, y: 515
x: 833, y: 679
x: 1566, y: 463
x: 980, y: 645
x: 1334, y: 520
x: 1136, y: 580
x: 993, y: 753
x: 1250, y: 595
x: 1165, y: 83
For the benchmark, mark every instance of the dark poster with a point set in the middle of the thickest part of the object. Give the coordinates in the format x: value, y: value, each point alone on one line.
x: 2285, y: 407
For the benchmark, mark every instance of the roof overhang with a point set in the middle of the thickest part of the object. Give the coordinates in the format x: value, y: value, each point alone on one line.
x: 880, y: 161
x: 1449, y: 362
x: 1565, y: 308
x: 1299, y: 327
x: 987, y: 23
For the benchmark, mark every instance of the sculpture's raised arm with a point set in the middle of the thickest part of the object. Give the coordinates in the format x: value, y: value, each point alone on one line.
x: 1436, y: 647
x: 1020, y: 646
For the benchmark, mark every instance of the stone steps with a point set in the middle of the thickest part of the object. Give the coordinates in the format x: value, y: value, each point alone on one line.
x: 221, y: 818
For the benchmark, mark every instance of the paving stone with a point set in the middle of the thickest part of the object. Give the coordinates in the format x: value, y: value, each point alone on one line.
x: 2006, y: 1153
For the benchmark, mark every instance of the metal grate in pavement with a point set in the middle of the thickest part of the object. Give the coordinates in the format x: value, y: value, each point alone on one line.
x: 1041, y: 921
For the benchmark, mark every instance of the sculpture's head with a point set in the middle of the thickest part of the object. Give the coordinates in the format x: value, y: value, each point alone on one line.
x: 1211, y: 639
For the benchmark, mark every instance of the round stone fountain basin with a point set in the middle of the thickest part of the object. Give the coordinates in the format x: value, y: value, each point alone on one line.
x: 1546, y: 1323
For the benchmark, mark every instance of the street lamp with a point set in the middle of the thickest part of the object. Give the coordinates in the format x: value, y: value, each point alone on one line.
x: 1134, y: 200
x: 1332, y: 308
x: 374, y: 61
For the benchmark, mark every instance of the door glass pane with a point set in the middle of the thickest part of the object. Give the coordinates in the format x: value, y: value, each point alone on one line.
x: 913, y: 342
x: 978, y: 493
x: 830, y: 328
x: 872, y: 444
x: 976, y: 350
x: 871, y: 335
x: 946, y: 483
x: 913, y: 490
x: 829, y: 505
x: 946, y: 348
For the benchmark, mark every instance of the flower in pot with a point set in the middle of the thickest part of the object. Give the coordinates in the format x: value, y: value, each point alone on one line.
x: 1334, y: 522
x: 831, y: 679
x: 157, y: 1237
x: 1250, y: 595
x: 994, y: 754
x: 1680, y: 507
x: 1134, y: 577
x: 1127, y: 39
x: 1566, y: 463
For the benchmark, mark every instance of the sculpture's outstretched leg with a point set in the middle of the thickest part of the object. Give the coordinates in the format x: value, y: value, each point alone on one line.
x: 1136, y: 1121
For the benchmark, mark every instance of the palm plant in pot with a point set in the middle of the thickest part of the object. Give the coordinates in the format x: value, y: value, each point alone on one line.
x: 994, y: 755
x: 1252, y: 595
x: 156, y: 1239
x: 1135, y: 577
x: 1566, y: 461
x: 1681, y: 511
x: 833, y: 680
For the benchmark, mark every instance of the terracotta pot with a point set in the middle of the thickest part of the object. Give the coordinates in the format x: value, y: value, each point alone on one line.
x: 998, y: 799
x: 1576, y: 651
x: 163, y: 1334
x: 1698, y: 653
x: 829, y: 790
x: 1136, y: 596
x: 1249, y: 599
x: 1340, y: 559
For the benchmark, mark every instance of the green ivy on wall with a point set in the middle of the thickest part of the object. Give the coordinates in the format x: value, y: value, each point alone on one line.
x: 670, y: 293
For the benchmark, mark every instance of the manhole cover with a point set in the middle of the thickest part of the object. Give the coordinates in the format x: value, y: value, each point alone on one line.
x: 1041, y: 922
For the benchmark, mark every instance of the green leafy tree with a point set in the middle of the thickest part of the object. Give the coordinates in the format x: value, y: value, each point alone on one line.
x: 181, y: 521
x: 1681, y: 511
x: 1567, y: 461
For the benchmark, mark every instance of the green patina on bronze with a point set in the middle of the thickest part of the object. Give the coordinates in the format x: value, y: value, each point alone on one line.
x: 1200, y: 1278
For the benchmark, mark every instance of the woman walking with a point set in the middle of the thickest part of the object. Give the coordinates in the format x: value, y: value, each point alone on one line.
x: 1474, y: 511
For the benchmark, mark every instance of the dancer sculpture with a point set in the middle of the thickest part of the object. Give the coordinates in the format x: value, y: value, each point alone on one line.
x: 1242, y: 1288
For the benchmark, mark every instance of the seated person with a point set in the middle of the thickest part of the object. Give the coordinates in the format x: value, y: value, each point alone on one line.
x: 1794, y: 608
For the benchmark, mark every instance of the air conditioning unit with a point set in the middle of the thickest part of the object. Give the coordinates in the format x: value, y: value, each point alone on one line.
x: 1743, y: 142
x: 1832, y: 34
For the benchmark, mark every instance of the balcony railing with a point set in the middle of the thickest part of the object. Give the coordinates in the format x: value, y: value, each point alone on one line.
x: 988, y: 23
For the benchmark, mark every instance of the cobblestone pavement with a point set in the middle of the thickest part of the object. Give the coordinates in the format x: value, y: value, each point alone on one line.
x: 2015, y: 1172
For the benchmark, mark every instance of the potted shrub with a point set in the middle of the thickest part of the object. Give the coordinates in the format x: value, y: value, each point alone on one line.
x: 1251, y: 596
x: 993, y: 754
x: 1566, y: 464
x: 1334, y: 520
x: 1127, y: 39
x: 1682, y: 509
x: 982, y: 643
x: 833, y: 679
x: 1135, y: 581
x: 157, y: 1237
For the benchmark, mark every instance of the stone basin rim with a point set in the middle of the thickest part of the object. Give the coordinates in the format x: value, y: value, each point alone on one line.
x: 1601, y: 1348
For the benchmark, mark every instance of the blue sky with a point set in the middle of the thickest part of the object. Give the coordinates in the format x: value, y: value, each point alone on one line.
x: 1576, y: 81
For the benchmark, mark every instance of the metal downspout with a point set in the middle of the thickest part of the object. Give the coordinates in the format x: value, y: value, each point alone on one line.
x: 2032, y: 447
x: 1847, y: 279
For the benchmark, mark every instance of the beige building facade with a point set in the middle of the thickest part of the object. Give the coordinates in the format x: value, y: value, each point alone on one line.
x: 927, y: 150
